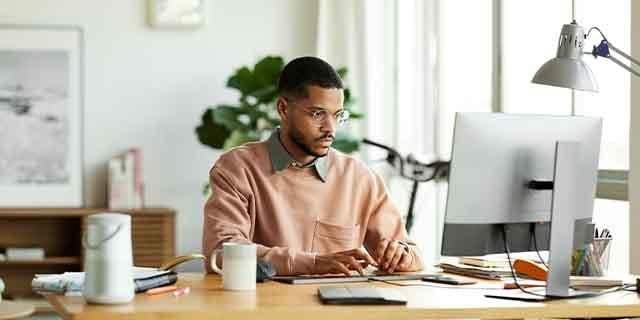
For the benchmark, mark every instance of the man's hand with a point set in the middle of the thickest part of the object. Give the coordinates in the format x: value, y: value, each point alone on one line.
x: 393, y: 255
x: 343, y: 262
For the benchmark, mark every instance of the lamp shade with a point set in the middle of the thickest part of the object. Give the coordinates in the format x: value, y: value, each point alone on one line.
x: 567, y: 69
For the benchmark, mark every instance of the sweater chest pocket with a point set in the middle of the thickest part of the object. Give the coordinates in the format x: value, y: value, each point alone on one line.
x: 329, y: 238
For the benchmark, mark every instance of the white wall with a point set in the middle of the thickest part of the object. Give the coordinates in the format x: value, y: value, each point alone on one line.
x: 148, y: 88
x: 634, y: 140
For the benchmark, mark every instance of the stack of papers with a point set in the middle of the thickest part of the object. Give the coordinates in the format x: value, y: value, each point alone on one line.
x: 24, y: 254
x: 586, y: 281
x: 485, y: 262
x: 477, y: 272
x: 67, y: 282
x: 72, y: 283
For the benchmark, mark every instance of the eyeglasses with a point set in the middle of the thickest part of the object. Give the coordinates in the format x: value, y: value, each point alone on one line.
x: 319, y: 116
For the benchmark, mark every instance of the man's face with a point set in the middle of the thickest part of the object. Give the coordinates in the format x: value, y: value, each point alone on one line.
x: 311, y: 122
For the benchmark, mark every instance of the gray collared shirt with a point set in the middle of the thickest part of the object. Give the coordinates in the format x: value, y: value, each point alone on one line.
x: 281, y: 159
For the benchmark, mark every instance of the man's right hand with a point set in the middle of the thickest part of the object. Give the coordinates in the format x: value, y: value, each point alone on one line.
x: 343, y: 262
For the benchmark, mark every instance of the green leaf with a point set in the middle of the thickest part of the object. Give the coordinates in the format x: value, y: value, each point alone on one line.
x: 207, y: 116
x: 346, y: 142
x: 212, y: 134
x: 353, y: 115
x: 348, y: 98
x: 243, y: 80
x: 228, y: 117
x: 206, y: 189
x: 266, y: 94
x: 267, y: 71
x: 237, y: 138
x: 342, y: 72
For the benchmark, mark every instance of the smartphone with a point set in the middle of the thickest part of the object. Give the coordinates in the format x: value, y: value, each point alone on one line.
x: 447, y: 280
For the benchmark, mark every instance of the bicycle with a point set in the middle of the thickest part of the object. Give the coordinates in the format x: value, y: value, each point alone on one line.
x: 412, y: 169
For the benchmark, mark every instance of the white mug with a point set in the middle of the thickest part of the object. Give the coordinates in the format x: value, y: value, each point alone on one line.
x: 238, y: 265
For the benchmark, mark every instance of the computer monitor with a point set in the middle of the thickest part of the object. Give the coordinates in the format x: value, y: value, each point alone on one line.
x: 508, y: 171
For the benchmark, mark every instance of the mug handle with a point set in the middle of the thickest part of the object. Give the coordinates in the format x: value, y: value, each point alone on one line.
x: 212, y: 261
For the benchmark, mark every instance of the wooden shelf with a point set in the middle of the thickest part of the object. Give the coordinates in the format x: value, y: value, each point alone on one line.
x: 59, y: 232
x: 46, y: 261
x: 77, y: 212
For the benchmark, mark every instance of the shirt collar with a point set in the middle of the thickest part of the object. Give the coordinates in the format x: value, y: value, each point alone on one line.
x: 281, y: 159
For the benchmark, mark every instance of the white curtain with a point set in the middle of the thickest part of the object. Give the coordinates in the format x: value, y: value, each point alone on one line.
x: 390, y: 50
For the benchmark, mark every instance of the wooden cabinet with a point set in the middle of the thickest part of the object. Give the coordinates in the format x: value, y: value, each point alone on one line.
x: 59, y: 232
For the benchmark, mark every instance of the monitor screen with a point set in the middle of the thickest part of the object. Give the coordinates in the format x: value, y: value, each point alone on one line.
x: 494, y: 157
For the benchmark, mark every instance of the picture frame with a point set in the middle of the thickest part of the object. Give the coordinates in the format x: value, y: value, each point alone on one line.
x: 41, y: 113
x: 175, y: 14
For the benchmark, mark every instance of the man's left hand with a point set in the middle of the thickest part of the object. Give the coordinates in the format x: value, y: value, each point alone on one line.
x: 392, y: 255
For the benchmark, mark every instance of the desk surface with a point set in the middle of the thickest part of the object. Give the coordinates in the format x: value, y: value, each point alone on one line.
x: 278, y: 301
x: 14, y: 310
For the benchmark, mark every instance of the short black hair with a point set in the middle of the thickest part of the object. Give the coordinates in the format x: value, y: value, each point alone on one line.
x: 304, y: 71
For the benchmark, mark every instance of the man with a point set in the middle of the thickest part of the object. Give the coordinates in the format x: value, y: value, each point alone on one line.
x: 307, y: 207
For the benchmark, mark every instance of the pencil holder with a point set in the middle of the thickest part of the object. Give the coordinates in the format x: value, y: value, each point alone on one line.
x: 593, y: 259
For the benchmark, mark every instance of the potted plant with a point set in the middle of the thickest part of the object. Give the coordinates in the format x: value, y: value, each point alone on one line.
x: 254, y: 115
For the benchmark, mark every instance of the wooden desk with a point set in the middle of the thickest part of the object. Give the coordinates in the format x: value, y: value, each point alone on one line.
x: 278, y: 301
x: 14, y: 310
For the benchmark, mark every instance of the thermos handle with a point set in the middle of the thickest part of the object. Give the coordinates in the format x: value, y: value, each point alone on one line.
x: 86, y: 244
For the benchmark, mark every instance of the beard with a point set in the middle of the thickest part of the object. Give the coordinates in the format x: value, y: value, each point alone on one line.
x: 298, y: 138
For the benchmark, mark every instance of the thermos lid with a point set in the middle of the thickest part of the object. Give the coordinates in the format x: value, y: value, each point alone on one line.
x: 109, y: 218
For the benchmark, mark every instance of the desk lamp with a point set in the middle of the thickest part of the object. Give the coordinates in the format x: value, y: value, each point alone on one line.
x: 567, y: 70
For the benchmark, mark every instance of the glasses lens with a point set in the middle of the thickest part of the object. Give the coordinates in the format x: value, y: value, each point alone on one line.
x: 343, y: 117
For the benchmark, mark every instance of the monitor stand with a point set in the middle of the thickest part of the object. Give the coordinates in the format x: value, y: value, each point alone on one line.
x: 540, y: 294
x: 563, y: 213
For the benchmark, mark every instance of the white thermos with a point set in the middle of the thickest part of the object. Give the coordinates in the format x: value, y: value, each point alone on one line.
x: 108, y: 260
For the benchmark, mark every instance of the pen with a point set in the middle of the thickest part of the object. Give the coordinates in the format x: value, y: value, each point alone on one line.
x: 160, y: 290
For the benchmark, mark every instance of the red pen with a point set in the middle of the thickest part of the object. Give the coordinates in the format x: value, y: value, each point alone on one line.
x: 181, y: 291
x: 160, y: 290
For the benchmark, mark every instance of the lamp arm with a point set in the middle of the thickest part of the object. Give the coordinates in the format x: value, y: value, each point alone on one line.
x: 620, y: 52
x: 620, y: 63
x: 602, y: 50
x: 628, y: 57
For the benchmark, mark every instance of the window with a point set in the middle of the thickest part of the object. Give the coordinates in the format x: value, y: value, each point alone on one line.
x: 465, y: 63
x: 490, y: 50
x: 527, y: 44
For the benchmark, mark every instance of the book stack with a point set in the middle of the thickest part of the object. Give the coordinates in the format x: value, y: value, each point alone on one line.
x: 485, y: 262
x: 144, y: 278
x: 474, y: 271
x: 125, y: 182
x: 72, y: 283
x: 24, y: 254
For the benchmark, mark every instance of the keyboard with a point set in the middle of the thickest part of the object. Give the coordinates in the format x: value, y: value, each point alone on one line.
x: 313, y: 279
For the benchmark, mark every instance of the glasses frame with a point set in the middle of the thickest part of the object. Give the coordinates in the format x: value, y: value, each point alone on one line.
x: 319, y: 116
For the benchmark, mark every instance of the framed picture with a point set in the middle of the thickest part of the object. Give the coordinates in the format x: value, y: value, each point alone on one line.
x: 175, y: 13
x: 41, y: 101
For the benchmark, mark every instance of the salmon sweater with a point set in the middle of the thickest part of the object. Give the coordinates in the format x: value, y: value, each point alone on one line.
x: 292, y: 214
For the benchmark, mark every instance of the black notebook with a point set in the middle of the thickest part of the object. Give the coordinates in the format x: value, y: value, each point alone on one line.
x: 144, y: 284
x: 360, y: 295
